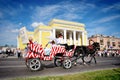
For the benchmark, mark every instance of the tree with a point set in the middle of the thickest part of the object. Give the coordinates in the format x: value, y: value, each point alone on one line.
x: 6, y: 45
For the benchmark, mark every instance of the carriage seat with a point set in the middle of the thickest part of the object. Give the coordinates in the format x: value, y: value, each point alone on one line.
x: 68, y: 47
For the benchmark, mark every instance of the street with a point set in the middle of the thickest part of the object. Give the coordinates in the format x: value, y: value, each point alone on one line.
x: 14, y: 67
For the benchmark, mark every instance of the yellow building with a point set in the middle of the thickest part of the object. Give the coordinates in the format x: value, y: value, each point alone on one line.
x: 73, y: 32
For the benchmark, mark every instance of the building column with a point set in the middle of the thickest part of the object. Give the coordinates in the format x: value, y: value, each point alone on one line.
x: 79, y: 38
x: 65, y: 39
x: 70, y: 38
x: 54, y: 33
x: 86, y: 38
x: 82, y: 38
x: 74, y: 37
x: 18, y: 42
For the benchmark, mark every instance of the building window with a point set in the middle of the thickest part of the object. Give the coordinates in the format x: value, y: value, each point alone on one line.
x: 118, y: 44
x: 68, y: 36
x: 77, y: 34
x: 108, y: 44
x: 113, y: 43
x: 101, y: 42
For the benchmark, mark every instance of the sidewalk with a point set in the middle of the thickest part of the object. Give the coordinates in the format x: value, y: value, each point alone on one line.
x: 5, y: 56
x: 12, y: 57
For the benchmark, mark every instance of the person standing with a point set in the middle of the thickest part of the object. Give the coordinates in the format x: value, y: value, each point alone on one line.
x: 19, y: 52
x: 60, y: 39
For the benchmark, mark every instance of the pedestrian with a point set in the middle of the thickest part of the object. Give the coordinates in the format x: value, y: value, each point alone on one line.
x: 0, y: 51
x: 19, y: 53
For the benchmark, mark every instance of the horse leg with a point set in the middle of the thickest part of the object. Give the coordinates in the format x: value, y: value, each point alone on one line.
x: 75, y: 60
x: 83, y: 60
x: 95, y: 59
x: 90, y: 60
x: 93, y: 56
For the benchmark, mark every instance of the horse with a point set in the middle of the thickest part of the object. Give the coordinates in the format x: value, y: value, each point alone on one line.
x: 83, y: 51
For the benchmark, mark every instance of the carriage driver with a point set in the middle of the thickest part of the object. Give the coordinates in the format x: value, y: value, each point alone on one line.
x: 90, y: 44
x: 59, y: 39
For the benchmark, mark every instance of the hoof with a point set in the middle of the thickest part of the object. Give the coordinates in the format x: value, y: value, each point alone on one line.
x: 75, y: 64
x: 84, y: 63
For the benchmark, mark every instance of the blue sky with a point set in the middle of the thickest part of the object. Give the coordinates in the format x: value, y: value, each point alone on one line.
x: 99, y: 16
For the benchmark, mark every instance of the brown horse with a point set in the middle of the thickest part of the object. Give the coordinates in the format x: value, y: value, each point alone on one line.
x: 83, y: 51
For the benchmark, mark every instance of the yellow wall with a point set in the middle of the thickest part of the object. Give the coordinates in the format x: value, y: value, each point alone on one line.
x: 42, y: 32
x: 44, y: 37
x: 36, y: 36
x: 30, y: 34
x: 69, y: 27
x: 21, y: 45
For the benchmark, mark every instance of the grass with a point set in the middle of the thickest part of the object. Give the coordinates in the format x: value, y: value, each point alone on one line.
x: 112, y: 74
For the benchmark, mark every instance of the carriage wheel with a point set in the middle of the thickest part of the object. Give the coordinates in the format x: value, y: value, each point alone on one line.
x: 87, y: 58
x: 67, y: 63
x: 34, y: 64
x: 57, y: 62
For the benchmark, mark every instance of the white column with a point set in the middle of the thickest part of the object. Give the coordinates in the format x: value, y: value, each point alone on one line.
x: 82, y: 38
x: 79, y: 38
x: 70, y: 38
x: 51, y: 33
x: 86, y: 38
x: 65, y: 39
x: 74, y: 37
x: 54, y: 33
x: 18, y: 42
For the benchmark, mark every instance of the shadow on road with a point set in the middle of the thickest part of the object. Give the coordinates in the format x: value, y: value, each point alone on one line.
x: 51, y: 65
x: 116, y: 64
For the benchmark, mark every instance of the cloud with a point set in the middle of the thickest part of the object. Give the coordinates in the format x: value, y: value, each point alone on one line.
x: 15, y: 30
x: 63, y: 10
x: 98, y: 30
x: 107, y: 8
x: 35, y: 24
x: 111, y: 7
x: 106, y: 19
x: 20, y: 23
x: 43, y: 13
x: 1, y: 15
x: 8, y: 32
x: 117, y: 34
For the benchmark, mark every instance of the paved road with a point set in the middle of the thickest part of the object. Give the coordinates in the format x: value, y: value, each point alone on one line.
x: 13, y: 67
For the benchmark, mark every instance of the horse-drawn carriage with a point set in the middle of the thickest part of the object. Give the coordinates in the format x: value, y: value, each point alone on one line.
x: 63, y: 55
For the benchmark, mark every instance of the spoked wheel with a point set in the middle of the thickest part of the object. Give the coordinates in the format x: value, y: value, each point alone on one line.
x: 57, y: 62
x: 87, y: 58
x: 67, y: 64
x: 34, y: 64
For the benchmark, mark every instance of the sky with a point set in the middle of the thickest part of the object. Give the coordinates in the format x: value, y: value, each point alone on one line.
x: 99, y: 16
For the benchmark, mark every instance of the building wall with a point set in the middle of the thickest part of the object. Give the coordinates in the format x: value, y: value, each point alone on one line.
x: 74, y: 33
x: 44, y: 37
x: 106, y: 42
